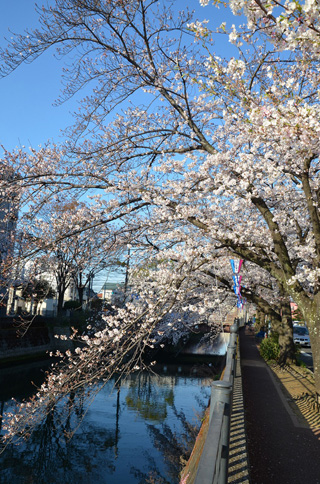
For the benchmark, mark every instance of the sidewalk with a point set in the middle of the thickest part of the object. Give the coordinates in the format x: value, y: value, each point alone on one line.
x: 282, y: 448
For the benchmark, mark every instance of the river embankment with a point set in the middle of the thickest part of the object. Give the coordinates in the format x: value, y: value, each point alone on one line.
x: 30, y: 339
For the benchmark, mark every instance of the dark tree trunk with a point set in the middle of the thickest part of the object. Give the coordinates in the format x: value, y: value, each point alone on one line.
x: 284, y: 329
x: 260, y: 321
x: 312, y: 318
x: 80, y: 294
x: 61, y: 291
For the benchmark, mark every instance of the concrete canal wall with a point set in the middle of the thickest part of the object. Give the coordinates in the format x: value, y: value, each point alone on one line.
x: 238, y: 468
x: 38, y: 340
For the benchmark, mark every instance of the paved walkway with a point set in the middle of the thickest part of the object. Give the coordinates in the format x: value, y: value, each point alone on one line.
x: 282, y: 449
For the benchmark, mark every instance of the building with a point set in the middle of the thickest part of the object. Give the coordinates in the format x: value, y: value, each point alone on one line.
x: 8, y: 222
x: 111, y: 291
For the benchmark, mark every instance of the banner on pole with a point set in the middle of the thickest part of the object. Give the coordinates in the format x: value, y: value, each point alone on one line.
x: 236, y: 265
x: 237, y: 280
x: 237, y: 290
x: 239, y: 304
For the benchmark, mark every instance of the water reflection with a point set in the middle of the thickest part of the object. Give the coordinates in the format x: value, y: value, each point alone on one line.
x: 150, y: 404
x: 136, y: 433
x: 208, y: 346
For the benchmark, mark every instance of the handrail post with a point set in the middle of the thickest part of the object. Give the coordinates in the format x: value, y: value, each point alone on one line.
x: 221, y: 392
x: 233, y: 335
x: 232, y: 347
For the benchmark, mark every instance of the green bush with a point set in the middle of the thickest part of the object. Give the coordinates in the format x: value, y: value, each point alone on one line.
x: 301, y: 363
x: 72, y: 305
x: 269, y: 349
x: 96, y: 304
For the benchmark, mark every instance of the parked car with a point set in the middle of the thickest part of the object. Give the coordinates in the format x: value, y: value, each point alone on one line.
x: 301, y: 335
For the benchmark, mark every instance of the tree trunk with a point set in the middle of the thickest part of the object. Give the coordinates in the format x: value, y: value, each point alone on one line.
x: 312, y: 318
x: 287, y: 348
x: 80, y: 295
x: 78, y: 279
x: 314, y: 339
x: 260, y: 321
x: 61, y: 291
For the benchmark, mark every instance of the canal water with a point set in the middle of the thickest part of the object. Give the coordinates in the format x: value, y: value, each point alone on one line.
x: 135, y: 433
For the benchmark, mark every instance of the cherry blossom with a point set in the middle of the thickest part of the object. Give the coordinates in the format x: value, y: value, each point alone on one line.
x: 187, y: 157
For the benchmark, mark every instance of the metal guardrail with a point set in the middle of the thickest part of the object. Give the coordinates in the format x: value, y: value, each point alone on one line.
x: 213, y: 465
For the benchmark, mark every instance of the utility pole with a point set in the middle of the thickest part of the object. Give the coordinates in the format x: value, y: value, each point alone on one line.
x: 90, y: 288
x: 126, y: 282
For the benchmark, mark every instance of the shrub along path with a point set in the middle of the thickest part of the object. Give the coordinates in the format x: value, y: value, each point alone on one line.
x: 283, y: 430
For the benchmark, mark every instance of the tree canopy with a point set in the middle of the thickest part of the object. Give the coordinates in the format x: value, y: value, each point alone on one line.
x: 187, y: 156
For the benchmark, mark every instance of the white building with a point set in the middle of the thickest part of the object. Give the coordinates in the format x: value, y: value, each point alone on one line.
x: 8, y: 221
x: 111, y: 292
x: 46, y: 307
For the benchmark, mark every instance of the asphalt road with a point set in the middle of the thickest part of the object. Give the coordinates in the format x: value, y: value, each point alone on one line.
x: 306, y: 357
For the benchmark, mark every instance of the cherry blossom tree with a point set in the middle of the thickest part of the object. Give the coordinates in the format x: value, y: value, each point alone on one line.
x: 208, y: 275
x: 68, y: 259
x: 217, y: 156
x: 264, y: 293
x: 36, y: 292
x: 288, y: 25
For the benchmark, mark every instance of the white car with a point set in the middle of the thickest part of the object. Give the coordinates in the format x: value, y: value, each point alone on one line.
x: 301, y: 335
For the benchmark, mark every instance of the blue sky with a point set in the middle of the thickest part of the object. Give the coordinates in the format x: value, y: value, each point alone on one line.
x: 28, y: 117
x: 26, y: 96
